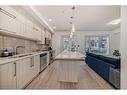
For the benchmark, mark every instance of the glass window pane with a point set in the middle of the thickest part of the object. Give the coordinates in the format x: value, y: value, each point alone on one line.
x: 70, y: 43
x: 97, y: 44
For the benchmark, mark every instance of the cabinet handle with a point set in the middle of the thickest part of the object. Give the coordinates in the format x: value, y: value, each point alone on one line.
x: 31, y: 64
x: 15, y: 69
x: 33, y: 61
x: 7, y: 13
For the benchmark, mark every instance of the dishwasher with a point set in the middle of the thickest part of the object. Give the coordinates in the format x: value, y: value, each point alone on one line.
x: 43, y: 61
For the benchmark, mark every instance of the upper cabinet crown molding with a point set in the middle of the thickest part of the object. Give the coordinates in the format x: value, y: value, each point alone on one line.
x: 12, y: 23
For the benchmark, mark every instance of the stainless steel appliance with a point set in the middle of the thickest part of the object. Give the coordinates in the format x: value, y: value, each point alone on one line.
x: 5, y: 53
x: 51, y: 56
x: 43, y: 61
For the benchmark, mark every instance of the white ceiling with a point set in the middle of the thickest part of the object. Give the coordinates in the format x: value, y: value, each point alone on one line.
x: 86, y: 17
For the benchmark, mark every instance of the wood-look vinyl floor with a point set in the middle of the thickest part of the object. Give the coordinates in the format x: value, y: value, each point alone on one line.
x: 88, y: 79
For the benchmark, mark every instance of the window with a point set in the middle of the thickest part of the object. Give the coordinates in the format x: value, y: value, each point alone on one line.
x: 70, y: 44
x: 97, y: 44
x: 65, y: 41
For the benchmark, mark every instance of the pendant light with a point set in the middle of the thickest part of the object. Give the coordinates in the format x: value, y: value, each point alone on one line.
x: 72, y: 22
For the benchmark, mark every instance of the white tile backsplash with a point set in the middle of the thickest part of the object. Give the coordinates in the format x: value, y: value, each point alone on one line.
x: 10, y: 43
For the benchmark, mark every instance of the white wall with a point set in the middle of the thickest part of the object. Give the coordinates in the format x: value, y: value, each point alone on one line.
x: 124, y: 47
x: 57, y: 40
x: 115, y: 40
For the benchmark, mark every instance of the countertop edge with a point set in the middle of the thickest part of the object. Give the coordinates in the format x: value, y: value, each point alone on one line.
x: 67, y: 55
x: 8, y: 60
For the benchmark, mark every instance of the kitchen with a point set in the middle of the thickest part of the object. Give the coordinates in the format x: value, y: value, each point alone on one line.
x: 22, y: 41
x: 63, y: 47
x: 35, y: 55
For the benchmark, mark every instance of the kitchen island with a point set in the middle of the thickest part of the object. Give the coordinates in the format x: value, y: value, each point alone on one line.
x: 70, y: 55
x: 68, y: 66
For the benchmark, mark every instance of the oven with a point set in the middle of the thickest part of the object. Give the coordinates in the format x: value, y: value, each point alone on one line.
x: 43, y: 61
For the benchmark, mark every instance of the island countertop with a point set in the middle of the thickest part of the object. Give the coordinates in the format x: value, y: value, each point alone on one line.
x: 70, y: 55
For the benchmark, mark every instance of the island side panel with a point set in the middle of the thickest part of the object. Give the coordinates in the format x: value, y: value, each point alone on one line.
x: 67, y: 70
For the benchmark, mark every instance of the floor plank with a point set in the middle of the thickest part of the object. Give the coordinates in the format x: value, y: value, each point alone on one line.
x: 88, y: 79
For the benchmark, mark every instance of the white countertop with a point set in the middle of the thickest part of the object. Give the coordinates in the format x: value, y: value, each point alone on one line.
x: 10, y: 59
x: 70, y: 55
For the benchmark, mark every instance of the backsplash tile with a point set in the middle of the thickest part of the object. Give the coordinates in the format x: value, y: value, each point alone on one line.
x: 10, y: 43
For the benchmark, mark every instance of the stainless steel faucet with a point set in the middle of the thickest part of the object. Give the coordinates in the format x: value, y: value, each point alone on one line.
x: 17, y: 47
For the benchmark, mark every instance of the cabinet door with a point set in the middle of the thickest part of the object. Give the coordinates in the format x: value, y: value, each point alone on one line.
x: 8, y: 76
x: 22, y: 25
x: 37, y: 32
x: 32, y: 69
x: 36, y: 64
x: 23, y: 72
x: 35, y: 67
x: 42, y: 36
x: 29, y: 32
x: 22, y: 31
x: 46, y: 34
x: 8, y: 21
x: 50, y: 36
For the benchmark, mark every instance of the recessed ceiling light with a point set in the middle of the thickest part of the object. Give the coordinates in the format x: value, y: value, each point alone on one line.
x: 37, y: 13
x: 50, y: 20
x: 114, y: 22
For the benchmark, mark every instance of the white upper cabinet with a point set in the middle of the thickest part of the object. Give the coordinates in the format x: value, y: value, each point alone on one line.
x: 22, y: 28
x: 36, y: 32
x: 33, y: 31
x: 8, y: 22
x: 47, y: 34
x: 29, y: 29
x: 42, y: 34
x: 12, y: 22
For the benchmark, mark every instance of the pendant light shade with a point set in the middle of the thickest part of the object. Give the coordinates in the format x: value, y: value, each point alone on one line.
x: 72, y: 22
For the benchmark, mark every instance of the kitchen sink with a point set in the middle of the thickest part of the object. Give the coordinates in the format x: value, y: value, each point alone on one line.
x: 23, y: 55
